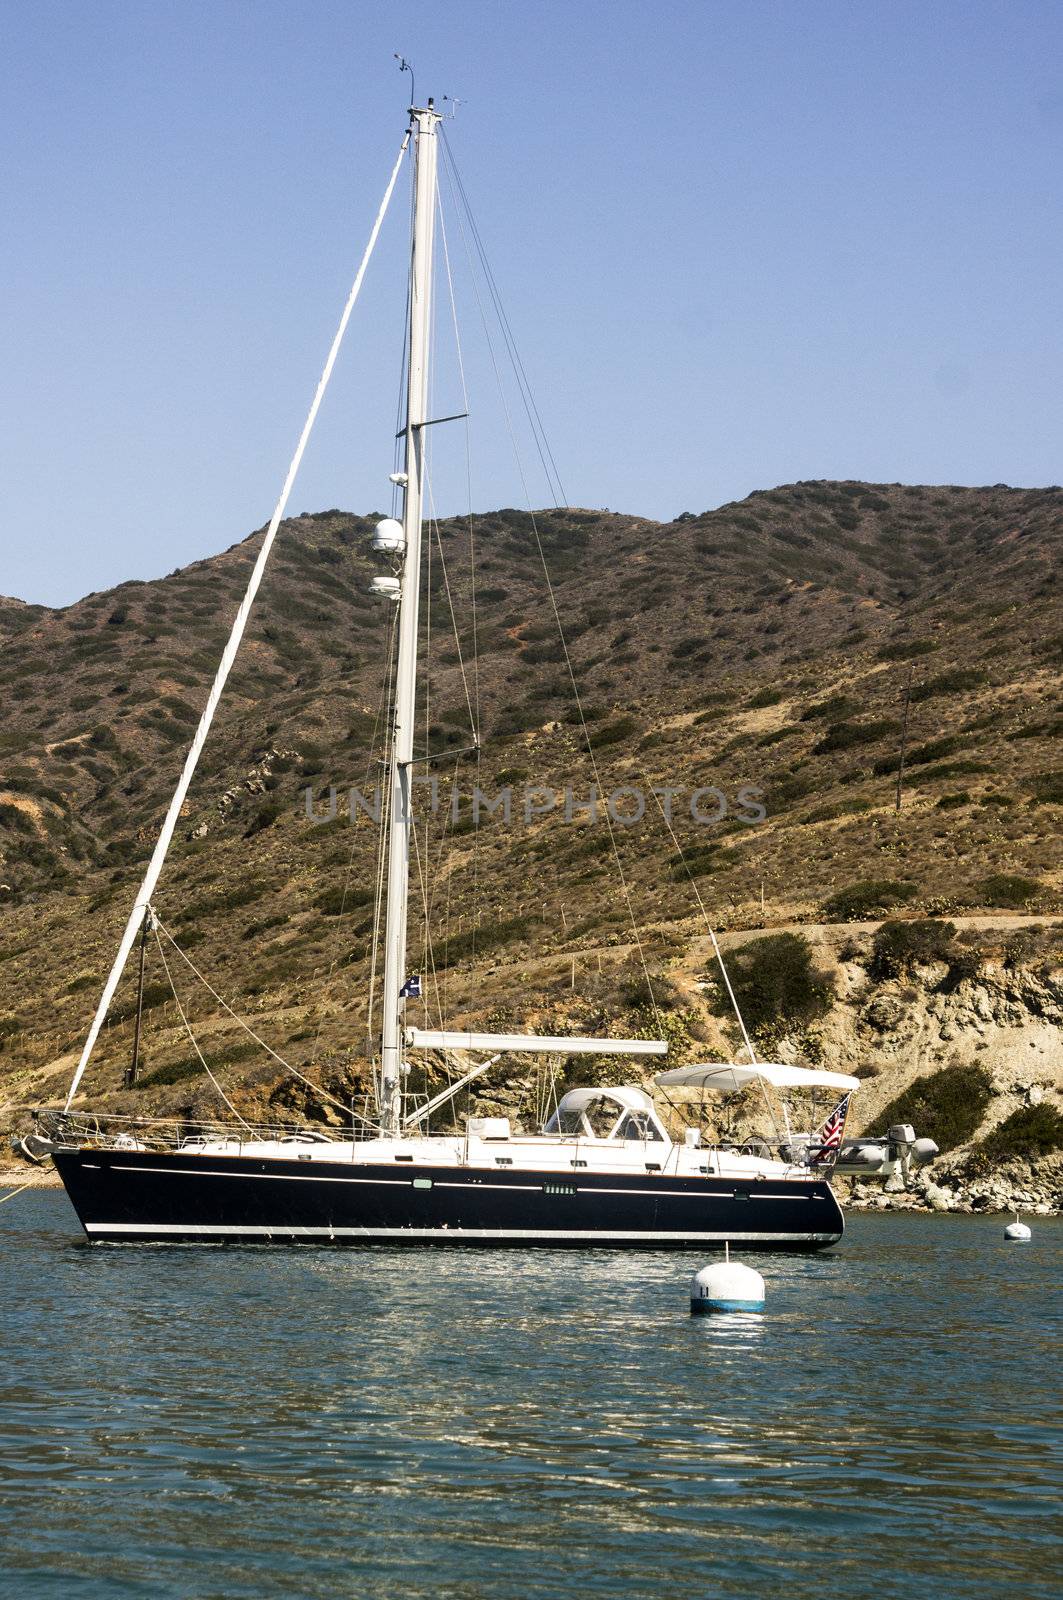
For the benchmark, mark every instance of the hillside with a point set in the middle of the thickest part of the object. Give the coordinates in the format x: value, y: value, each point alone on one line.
x: 767, y: 644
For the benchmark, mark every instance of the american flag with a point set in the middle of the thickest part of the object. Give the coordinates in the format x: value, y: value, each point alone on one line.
x: 827, y: 1140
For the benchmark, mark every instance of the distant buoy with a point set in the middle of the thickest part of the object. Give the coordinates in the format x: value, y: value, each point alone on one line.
x: 726, y: 1286
x: 1017, y: 1232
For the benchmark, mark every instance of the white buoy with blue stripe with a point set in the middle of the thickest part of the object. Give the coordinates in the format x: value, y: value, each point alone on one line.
x: 726, y: 1286
x: 1017, y: 1232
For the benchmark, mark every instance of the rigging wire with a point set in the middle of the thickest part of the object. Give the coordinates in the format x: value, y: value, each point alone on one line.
x: 471, y: 527
x: 468, y: 468
x: 530, y: 410
x: 158, y: 858
x: 236, y: 1018
x: 535, y: 421
x: 195, y: 1046
x: 389, y: 629
x: 434, y: 528
x: 715, y: 944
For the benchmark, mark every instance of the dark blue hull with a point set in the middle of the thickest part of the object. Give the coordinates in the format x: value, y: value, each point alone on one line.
x: 152, y: 1197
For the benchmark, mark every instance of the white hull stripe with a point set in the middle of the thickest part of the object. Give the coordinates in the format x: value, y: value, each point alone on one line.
x: 255, y: 1230
x: 692, y: 1194
x: 550, y: 1176
x: 258, y: 1177
x: 509, y: 1188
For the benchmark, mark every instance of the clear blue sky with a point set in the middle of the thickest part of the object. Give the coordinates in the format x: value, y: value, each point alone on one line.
x: 741, y: 243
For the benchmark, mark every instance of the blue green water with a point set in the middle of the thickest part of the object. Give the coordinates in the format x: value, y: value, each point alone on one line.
x: 184, y: 1422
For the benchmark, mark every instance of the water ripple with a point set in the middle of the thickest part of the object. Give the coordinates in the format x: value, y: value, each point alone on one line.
x: 248, y: 1422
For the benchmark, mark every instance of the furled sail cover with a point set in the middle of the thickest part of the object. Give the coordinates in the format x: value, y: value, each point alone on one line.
x: 725, y: 1077
x: 444, y: 1039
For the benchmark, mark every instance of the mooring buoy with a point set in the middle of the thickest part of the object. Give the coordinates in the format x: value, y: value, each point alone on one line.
x: 726, y: 1286
x: 1017, y: 1232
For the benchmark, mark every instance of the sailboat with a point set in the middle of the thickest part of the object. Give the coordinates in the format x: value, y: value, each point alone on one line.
x: 603, y: 1171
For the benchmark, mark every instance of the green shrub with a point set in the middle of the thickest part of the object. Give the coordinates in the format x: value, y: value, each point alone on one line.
x: 934, y: 751
x: 83, y: 980
x: 190, y: 1066
x: 226, y: 900
x: 1029, y: 1132
x: 898, y: 946
x: 1033, y: 730
x: 592, y: 844
x: 688, y: 647
x: 906, y: 649
x: 155, y: 994
x: 843, y: 735
x: 764, y: 697
x: 948, y: 769
x: 840, y: 808
x: 1009, y: 889
x: 12, y: 816
x: 792, y: 788
x: 179, y: 709
x: 776, y: 984
x: 613, y: 732
x: 1047, y: 787
x: 253, y: 929
x: 866, y: 898
x: 489, y: 935
x: 263, y: 818
x: 837, y: 705
x: 548, y: 651
x: 695, y: 863
x: 949, y: 802
x: 517, y: 719
x: 10, y: 1028
x: 949, y: 683
x: 335, y: 900
x: 947, y: 1106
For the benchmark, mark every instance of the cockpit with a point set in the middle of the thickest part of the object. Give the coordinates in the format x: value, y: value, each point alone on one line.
x: 620, y: 1114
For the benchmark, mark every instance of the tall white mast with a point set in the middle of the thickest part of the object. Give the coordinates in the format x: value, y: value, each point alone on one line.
x: 401, y: 812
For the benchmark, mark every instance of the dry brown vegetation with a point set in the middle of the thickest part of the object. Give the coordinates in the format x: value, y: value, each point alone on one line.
x: 768, y: 643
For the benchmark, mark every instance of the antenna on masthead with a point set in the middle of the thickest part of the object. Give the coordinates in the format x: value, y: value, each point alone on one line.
x: 407, y: 66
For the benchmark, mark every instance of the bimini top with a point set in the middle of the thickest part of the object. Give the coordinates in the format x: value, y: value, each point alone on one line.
x: 725, y: 1077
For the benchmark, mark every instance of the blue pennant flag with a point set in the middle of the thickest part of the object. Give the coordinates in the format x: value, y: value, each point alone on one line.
x: 411, y: 989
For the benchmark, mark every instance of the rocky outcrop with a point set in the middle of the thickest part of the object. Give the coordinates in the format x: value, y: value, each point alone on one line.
x: 976, y: 1008
x: 1035, y: 1188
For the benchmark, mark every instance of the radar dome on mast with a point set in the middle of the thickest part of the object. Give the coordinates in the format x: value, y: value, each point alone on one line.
x: 388, y: 537
x: 385, y: 588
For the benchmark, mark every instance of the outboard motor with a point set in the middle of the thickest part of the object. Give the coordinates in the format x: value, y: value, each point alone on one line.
x: 892, y: 1156
x: 900, y: 1137
x: 905, y: 1153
